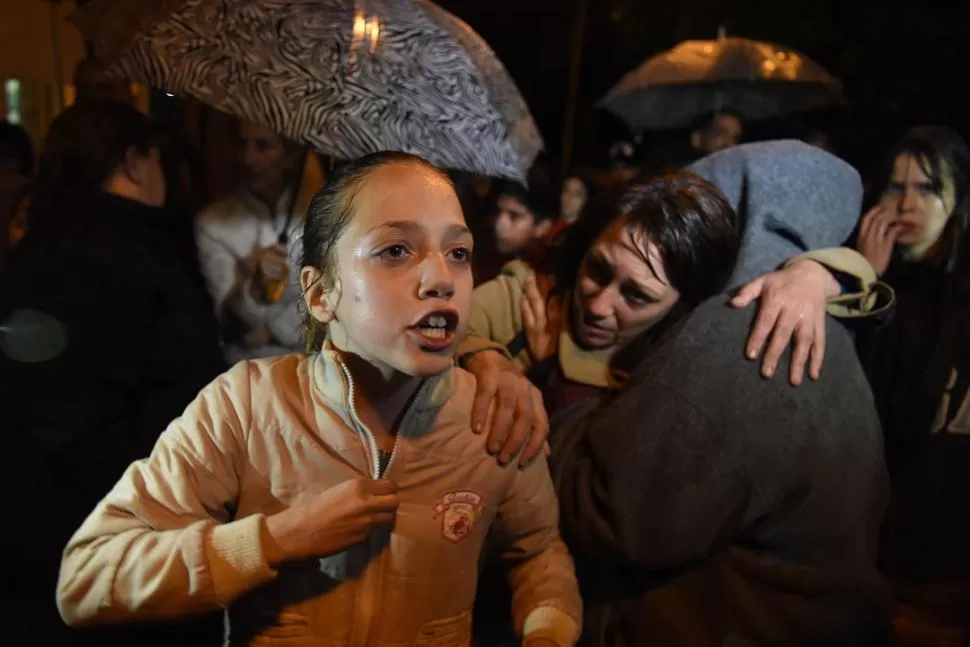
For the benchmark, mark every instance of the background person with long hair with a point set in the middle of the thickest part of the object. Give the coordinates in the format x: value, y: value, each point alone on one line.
x: 919, y: 367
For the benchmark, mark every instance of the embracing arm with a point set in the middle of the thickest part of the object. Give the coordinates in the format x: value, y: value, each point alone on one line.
x: 858, y: 293
x: 794, y: 301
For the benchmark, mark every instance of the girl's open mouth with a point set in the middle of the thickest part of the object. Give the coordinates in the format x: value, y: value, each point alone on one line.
x: 436, y: 330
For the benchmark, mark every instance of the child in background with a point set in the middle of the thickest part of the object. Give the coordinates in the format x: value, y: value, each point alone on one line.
x: 522, y: 218
x: 338, y: 498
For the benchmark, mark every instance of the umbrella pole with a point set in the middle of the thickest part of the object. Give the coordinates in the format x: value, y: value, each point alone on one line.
x: 58, y: 72
x: 573, y: 91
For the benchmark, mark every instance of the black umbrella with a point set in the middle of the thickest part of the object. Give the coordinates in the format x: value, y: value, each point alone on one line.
x: 699, y: 78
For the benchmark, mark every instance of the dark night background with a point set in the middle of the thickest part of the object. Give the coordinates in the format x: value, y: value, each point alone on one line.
x: 901, y: 63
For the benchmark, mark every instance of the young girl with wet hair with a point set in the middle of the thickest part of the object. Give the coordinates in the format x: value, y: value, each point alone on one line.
x: 339, y: 497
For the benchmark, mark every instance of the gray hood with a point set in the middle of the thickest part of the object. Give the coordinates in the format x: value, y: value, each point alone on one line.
x: 790, y: 197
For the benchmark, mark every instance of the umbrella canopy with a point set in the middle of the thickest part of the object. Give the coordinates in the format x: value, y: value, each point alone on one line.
x: 698, y: 78
x: 346, y: 78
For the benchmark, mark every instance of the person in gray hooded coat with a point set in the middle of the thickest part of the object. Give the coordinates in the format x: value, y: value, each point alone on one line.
x: 706, y: 505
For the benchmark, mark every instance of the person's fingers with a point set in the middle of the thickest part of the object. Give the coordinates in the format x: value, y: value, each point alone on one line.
x: 521, y: 428
x: 748, y: 293
x: 528, y: 317
x: 379, y: 487
x: 892, y: 233
x: 763, y: 325
x: 535, y: 302
x: 875, y: 227
x: 867, y: 221
x: 487, y: 386
x: 881, y: 228
x: 542, y: 416
x: 506, y: 400
x: 818, y: 348
x: 383, y: 503
x: 804, y: 332
x: 780, y: 338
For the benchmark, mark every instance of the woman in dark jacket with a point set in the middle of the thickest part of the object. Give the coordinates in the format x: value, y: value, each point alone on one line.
x: 704, y: 504
x: 107, y: 336
x: 916, y: 235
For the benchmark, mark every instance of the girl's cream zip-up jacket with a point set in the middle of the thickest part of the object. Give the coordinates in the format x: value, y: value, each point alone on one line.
x: 184, y: 530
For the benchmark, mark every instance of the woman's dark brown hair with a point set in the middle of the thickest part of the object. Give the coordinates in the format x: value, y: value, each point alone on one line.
x: 685, y: 216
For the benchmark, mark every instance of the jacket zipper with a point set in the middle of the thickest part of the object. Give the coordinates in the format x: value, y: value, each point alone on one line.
x: 406, y: 418
x: 372, y: 582
x: 369, y: 441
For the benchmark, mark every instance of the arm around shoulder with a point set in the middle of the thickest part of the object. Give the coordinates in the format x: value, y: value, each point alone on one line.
x: 863, y: 294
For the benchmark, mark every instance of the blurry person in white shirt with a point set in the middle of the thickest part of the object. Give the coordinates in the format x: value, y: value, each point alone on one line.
x: 249, y: 247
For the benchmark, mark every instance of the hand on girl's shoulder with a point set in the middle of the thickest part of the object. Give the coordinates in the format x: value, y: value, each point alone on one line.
x: 506, y: 414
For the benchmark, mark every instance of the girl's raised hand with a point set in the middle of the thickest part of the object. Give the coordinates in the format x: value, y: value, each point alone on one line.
x: 332, y: 521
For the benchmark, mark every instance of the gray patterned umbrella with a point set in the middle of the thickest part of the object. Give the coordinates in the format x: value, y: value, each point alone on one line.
x: 346, y: 78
